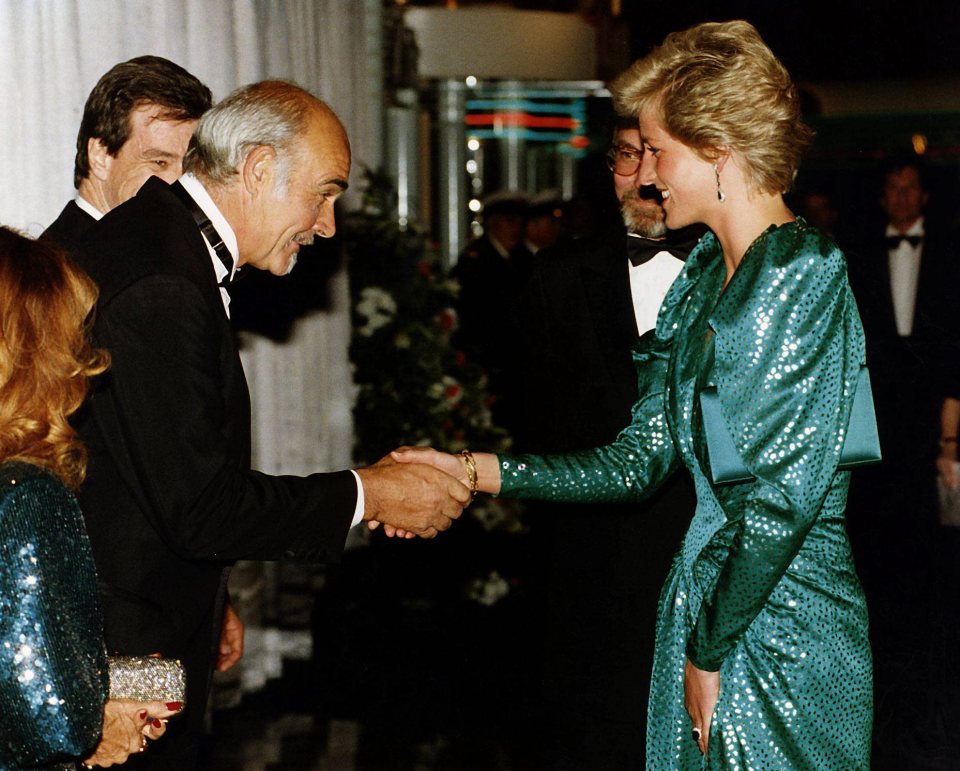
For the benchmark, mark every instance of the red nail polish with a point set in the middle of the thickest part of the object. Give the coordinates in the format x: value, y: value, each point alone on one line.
x: 142, y: 714
x: 155, y: 722
x: 174, y: 706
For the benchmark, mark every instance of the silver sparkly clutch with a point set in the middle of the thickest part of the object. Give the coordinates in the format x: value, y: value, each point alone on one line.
x: 147, y: 678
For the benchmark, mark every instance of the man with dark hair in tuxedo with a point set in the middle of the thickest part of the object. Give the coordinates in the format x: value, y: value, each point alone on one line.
x: 905, y: 277
x: 136, y: 123
x: 586, y: 304
x: 170, y: 500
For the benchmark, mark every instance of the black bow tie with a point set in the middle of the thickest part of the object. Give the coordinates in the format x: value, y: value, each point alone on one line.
x: 894, y: 241
x: 209, y: 232
x: 641, y: 250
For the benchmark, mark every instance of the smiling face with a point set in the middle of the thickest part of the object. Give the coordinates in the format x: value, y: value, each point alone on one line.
x: 686, y: 180
x: 639, y: 203
x: 155, y: 147
x: 294, y: 196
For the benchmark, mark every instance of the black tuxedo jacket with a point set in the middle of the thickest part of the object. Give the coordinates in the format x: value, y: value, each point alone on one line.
x: 607, y: 562
x: 170, y: 498
x: 912, y: 374
x: 70, y: 228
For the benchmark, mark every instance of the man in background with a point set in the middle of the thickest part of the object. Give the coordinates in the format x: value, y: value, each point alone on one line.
x: 906, y: 279
x: 585, y: 306
x: 542, y: 226
x: 136, y: 123
x: 491, y: 281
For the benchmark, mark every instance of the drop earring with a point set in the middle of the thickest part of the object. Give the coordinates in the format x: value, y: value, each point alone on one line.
x: 721, y: 196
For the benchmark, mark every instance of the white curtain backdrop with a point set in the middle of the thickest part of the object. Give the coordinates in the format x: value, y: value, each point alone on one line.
x: 52, y: 52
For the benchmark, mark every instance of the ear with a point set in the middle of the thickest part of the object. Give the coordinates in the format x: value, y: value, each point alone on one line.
x: 99, y: 158
x: 722, y: 155
x: 258, y: 169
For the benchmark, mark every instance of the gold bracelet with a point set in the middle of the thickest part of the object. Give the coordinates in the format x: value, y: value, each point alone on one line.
x: 471, y: 464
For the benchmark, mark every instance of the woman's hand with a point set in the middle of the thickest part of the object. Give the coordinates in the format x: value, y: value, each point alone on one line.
x: 443, y: 461
x: 126, y: 727
x: 701, y: 689
x: 488, y: 465
x: 449, y: 464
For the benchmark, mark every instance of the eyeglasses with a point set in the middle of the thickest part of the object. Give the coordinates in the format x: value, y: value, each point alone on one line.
x: 624, y: 160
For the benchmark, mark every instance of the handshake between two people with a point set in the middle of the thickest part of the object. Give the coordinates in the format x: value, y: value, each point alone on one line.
x: 420, y: 491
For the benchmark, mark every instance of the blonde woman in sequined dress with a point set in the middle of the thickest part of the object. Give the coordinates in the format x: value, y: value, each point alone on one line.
x: 762, y: 656
x: 53, y: 671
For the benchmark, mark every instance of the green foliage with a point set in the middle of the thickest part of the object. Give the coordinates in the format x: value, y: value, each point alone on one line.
x: 414, y: 386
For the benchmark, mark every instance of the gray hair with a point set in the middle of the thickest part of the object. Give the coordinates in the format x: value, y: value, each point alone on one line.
x: 272, y: 113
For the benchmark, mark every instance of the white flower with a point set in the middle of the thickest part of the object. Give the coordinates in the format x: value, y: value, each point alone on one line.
x: 490, y: 590
x: 378, y: 307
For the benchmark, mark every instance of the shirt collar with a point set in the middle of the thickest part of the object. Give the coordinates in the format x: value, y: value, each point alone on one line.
x: 84, y: 205
x: 199, y: 194
x: 916, y: 229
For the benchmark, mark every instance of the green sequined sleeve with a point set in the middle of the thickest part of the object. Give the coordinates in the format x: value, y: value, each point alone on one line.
x: 787, y: 402
x: 629, y: 469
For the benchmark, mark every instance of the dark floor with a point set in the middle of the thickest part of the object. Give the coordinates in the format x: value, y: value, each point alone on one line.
x: 404, y: 678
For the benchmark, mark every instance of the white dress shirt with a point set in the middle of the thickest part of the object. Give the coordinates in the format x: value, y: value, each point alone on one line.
x: 904, y: 262
x: 89, y: 208
x: 649, y: 284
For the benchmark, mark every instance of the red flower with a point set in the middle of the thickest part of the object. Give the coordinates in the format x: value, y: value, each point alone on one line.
x: 460, y: 358
x: 452, y: 392
x: 446, y: 319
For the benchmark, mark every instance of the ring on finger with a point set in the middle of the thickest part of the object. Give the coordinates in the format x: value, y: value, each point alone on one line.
x: 697, y: 734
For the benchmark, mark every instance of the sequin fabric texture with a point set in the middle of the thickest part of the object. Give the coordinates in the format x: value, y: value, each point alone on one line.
x: 763, y: 588
x: 54, y: 677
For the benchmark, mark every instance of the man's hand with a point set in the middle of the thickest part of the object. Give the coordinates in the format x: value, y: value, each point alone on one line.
x: 411, y: 498
x: 231, y: 639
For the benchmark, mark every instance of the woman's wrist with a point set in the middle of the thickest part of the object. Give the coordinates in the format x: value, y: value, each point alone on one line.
x: 470, y: 465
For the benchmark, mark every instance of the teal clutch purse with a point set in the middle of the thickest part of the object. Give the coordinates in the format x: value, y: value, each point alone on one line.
x: 860, y: 448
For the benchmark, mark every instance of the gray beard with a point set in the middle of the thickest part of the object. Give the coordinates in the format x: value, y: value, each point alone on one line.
x: 642, y: 223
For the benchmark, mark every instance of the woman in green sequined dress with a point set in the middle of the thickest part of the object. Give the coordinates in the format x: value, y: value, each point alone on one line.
x: 762, y: 656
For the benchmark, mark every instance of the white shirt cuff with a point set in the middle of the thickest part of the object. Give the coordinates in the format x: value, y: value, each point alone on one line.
x: 358, y: 512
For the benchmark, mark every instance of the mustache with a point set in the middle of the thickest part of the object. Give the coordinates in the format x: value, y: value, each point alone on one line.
x: 644, y: 193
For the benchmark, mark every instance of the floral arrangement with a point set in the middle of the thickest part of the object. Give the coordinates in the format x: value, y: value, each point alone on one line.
x: 414, y: 386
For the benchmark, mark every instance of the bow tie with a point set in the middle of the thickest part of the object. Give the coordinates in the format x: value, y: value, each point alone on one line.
x: 679, y: 244
x: 894, y: 241
x: 641, y: 250
x: 209, y: 232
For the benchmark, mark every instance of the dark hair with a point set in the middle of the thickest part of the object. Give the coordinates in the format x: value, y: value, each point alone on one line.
x: 625, y: 123
x: 899, y: 161
x: 127, y: 86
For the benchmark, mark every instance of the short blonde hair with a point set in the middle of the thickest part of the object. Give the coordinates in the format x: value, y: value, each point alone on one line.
x: 718, y: 85
x: 46, y: 358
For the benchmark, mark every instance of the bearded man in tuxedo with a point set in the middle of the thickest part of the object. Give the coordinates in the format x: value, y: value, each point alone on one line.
x: 587, y: 303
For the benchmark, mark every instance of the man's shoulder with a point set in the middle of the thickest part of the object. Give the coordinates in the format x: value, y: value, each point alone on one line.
x: 69, y: 228
x: 152, y: 233
x: 598, y: 252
